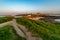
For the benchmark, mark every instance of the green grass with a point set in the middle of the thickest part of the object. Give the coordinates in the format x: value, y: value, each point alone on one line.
x: 4, y: 19
x: 8, y: 33
x: 47, y: 31
x: 58, y: 23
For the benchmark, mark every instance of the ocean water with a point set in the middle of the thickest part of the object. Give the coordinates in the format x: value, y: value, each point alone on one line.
x: 58, y: 20
x: 2, y: 16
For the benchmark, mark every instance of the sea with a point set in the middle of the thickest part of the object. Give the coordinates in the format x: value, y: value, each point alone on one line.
x: 2, y: 16
x: 58, y: 20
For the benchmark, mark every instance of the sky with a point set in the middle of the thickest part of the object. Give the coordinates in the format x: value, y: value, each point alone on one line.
x: 52, y: 6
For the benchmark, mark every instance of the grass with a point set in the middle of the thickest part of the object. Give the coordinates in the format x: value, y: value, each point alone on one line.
x: 8, y: 33
x: 47, y: 31
x: 4, y: 19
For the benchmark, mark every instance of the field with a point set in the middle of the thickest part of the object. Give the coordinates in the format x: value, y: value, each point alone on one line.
x: 8, y: 33
x: 45, y: 30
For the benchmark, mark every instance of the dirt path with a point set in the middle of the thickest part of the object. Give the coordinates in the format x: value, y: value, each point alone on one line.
x: 19, y: 31
x: 28, y: 33
x: 6, y: 23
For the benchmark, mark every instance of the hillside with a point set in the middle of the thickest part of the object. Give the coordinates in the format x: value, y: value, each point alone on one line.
x: 45, y: 30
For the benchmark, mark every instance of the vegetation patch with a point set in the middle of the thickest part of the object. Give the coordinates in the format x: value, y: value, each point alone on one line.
x: 8, y: 33
x: 5, y: 19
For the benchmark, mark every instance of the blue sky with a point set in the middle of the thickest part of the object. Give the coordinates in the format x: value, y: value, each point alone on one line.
x: 29, y: 5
